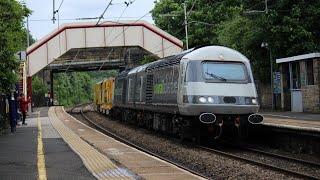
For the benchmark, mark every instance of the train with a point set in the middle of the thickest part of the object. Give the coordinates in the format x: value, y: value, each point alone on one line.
x: 203, y: 94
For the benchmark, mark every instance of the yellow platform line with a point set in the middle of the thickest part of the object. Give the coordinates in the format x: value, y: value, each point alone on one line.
x: 42, y: 173
x: 99, y: 165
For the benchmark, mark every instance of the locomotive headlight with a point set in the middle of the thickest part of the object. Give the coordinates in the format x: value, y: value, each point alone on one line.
x: 210, y: 100
x: 247, y: 100
x: 254, y: 101
x: 202, y: 99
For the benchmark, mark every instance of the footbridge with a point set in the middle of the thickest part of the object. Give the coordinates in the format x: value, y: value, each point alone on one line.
x: 89, y: 47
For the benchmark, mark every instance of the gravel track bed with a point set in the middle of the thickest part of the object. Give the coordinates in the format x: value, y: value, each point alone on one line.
x: 212, y: 165
x: 304, y: 156
x: 278, y: 162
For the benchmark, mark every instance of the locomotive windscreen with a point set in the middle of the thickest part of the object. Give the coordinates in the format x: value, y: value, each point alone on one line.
x: 224, y: 71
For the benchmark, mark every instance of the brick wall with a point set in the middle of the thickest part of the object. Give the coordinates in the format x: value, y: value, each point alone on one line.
x: 311, y: 93
x: 264, y: 95
x: 310, y: 98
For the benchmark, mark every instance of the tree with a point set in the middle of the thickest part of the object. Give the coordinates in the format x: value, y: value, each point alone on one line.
x: 148, y: 59
x: 294, y: 27
x: 246, y: 35
x: 203, y: 16
x: 76, y: 87
x: 289, y: 27
x: 39, y: 88
x: 12, y: 14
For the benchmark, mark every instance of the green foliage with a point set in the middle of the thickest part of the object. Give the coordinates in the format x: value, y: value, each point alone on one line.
x: 12, y: 14
x: 290, y: 27
x: 203, y: 20
x: 78, y: 87
x: 98, y: 76
x: 149, y: 59
x: 39, y: 88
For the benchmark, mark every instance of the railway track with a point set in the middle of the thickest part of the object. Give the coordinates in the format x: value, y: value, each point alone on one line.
x: 71, y: 111
x: 240, y: 154
x: 247, y: 155
x: 109, y: 133
x: 301, y: 161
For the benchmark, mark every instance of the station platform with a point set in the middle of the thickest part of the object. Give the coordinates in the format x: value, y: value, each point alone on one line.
x: 292, y: 120
x: 53, y: 145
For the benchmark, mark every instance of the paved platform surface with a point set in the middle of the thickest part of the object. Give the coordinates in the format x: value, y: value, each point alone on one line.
x: 292, y: 120
x: 53, y: 145
x: 20, y: 154
x: 123, y: 160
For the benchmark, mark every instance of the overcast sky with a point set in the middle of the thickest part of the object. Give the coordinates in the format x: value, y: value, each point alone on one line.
x: 40, y: 23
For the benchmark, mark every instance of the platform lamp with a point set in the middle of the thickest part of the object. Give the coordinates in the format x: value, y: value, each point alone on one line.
x: 267, y: 46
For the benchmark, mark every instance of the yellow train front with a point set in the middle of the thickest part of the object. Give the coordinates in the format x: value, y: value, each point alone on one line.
x: 103, y: 95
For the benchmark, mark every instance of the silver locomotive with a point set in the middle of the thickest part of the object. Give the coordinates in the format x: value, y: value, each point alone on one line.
x: 202, y: 93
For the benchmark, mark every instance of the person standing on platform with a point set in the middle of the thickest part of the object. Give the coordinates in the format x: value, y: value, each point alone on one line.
x: 13, y: 112
x: 24, y: 107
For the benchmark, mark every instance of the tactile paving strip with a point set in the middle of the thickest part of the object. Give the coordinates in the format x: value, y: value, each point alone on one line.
x: 99, y: 165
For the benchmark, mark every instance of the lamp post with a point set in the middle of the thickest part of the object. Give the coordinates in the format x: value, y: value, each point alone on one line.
x: 267, y: 46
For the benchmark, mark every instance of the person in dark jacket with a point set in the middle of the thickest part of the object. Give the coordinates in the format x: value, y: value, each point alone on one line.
x: 24, y: 107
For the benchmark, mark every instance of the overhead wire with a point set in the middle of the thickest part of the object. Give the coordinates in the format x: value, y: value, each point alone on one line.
x: 110, y: 3
x: 111, y: 32
x: 253, y: 6
x: 125, y: 28
x: 161, y: 43
x: 89, y: 18
x: 128, y: 27
x: 115, y: 22
x: 56, y: 11
x: 127, y: 3
x: 101, y: 16
x: 194, y: 2
x: 105, y: 39
x: 120, y: 15
x: 60, y: 6
x: 72, y: 60
x: 164, y: 49
x: 106, y: 58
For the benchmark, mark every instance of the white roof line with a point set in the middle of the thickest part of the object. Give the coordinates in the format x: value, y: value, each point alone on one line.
x: 300, y: 57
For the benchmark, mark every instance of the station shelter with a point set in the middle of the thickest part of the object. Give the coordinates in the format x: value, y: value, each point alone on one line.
x: 300, y: 87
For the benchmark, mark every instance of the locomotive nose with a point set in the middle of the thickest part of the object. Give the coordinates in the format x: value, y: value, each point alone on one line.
x: 207, y: 118
x: 255, y: 118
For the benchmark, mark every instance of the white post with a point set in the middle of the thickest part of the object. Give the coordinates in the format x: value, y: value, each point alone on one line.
x: 266, y: 4
x: 54, y: 12
x: 28, y: 36
x: 25, y: 71
x: 186, y: 24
